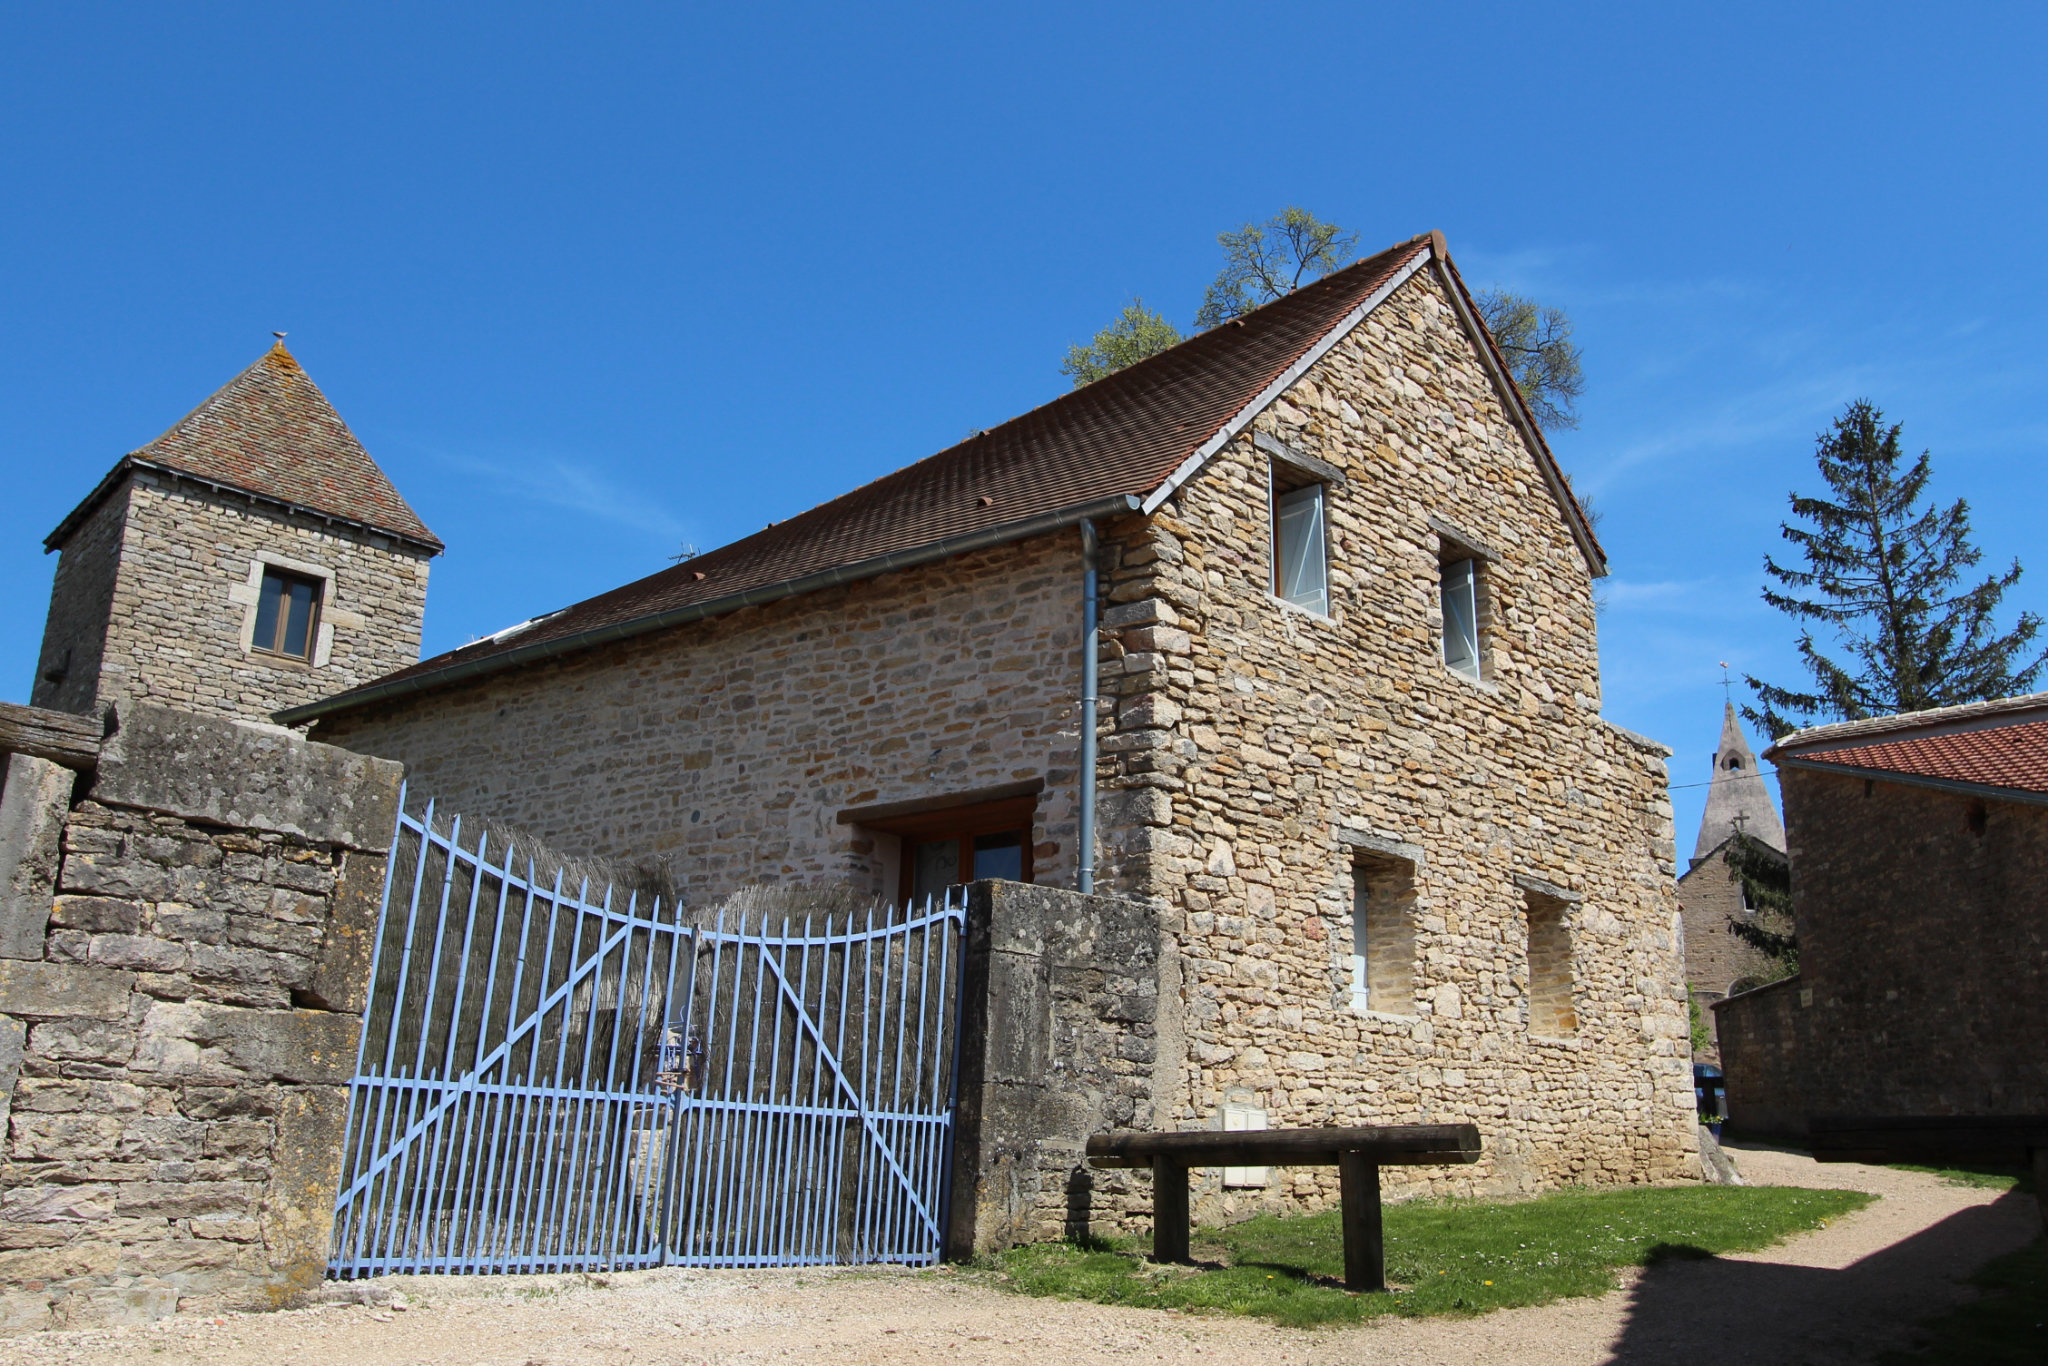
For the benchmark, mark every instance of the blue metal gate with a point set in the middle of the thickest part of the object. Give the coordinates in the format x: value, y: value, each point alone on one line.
x: 549, y: 1082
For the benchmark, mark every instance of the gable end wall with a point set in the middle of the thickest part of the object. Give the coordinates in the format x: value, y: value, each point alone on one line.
x: 1247, y: 733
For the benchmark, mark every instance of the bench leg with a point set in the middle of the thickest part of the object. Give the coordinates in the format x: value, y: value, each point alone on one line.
x: 2041, y: 1184
x: 1169, y: 1210
x: 1365, y: 1257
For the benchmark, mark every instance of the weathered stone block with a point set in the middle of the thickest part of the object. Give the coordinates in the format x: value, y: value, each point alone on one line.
x: 162, y: 1138
x: 1136, y: 806
x: 1149, y: 612
x: 138, y: 953
x: 95, y: 1095
x: 238, y: 1138
x: 1148, y: 710
x: 24, y: 1311
x: 298, y: 1205
x: 192, y: 924
x: 97, y: 915
x: 107, y: 1041
x: 245, y: 775
x: 226, y: 1044
x: 186, y: 1199
x: 341, y: 976
x: 56, y: 1204
x: 117, y: 875
x: 118, y: 1306
x: 32, y: 806
x: 276, y: 936
x: 60, y: 990
x: 13, y: 1036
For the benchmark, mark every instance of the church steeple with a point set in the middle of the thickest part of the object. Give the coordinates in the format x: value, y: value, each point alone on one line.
x: 1737, y: 797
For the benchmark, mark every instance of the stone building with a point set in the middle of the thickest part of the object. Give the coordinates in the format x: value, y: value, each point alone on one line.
x: 1347, y: 751
x: 1710, y: 895
x: 250, y: 558
x: 1919, y: 848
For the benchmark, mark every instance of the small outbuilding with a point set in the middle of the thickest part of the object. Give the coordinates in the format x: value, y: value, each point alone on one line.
x: 1919, y: 848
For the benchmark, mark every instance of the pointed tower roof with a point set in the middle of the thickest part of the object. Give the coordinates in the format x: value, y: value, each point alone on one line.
x: 270, y: 432
x: 1737, y: 797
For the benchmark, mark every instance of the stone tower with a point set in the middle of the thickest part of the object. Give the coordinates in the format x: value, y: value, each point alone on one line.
x: 1737, y: 798
x: 251, y: 558
x: 1710, y: 895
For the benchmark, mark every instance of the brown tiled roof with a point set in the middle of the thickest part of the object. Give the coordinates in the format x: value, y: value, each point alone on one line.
x: 1120, y: 438
x: 271, y: 432
x: 2002, y: 744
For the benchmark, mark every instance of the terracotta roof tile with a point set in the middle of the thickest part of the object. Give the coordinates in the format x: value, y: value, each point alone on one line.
x: 1125, y: 434
x: 1977, y: 746
x: 271, y: 432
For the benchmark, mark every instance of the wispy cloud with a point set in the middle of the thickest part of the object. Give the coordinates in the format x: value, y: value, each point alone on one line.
x: 575, y: 485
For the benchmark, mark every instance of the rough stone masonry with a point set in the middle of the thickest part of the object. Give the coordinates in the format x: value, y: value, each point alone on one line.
x: 1256, y: 760
x: 183, y: 957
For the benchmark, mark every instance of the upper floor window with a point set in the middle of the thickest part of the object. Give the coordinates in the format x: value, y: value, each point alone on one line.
x: 1460, y: 589
x: 1301, y: 565
x: 287, y: 614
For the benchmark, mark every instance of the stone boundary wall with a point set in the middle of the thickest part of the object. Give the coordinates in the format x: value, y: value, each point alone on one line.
x: 1759, y: 1034
x: 1070, y: 1009
x: 184, y: 948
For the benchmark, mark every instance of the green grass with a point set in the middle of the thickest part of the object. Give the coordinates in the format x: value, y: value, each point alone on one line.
x: 2008, y: 1325
x: 1443, y: 1257
x: 1986, y: 1178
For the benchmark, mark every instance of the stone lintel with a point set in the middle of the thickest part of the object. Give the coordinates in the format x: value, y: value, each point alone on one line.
x: 1360, y: 838
x: 1460, y: 537
x: 1549, y: 889
x: 1320, y: 470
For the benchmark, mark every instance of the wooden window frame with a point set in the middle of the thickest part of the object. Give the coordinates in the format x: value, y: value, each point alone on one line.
x: 963, y: 822
x: 273, y: 649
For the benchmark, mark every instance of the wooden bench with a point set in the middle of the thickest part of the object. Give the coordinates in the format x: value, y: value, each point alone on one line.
x: 1357, y: 1154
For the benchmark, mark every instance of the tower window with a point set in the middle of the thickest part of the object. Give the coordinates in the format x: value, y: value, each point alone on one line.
x: 287, y: 615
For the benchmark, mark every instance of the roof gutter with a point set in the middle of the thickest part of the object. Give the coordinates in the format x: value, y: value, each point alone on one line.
x: 56, y: 539
x: 682, y: 616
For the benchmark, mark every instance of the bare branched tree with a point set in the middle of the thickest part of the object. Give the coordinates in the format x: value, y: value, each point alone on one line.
x: 1536, y: 340
x: 1264, y: 262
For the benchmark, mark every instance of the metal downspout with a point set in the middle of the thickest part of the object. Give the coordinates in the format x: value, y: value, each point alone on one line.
x: 1090, y: 647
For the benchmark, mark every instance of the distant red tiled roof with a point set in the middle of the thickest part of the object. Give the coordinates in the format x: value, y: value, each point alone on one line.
x: 2001, y: 744
x: 1122, y: 436
x: 271, y: 432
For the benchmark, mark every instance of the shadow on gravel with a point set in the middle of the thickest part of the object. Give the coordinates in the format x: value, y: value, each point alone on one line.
x: 1685, y: 1309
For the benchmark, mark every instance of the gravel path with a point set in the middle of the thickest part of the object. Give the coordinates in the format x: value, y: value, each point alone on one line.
x: 1834, y: 1296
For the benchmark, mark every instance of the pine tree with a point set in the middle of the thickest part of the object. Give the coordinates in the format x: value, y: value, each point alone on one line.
x: 1766, y: 878
x: 1883, y: 568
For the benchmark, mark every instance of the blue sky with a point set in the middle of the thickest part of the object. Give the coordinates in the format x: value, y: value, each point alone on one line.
x: 595, y: 281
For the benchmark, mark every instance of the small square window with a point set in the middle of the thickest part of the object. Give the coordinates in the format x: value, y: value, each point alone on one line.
x: 287, y: 615
x: 1301, y: 570
x: 1460, y: 591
